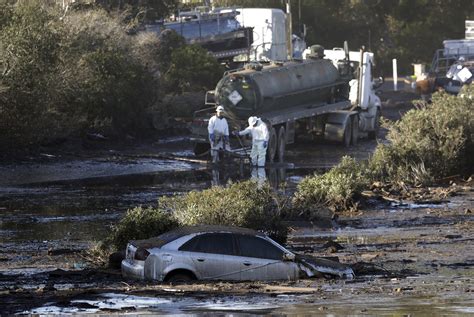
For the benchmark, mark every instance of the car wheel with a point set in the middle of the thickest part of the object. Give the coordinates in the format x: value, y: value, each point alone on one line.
x: 180, y: 278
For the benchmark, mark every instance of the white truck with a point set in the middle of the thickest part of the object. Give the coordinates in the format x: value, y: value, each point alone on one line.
x: 270, y: 35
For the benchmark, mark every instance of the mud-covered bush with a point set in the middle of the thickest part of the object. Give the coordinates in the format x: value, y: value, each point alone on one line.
x: 140, y: 223
x: 428, y: 143
x: 335, y: 189
x: 244, y: 204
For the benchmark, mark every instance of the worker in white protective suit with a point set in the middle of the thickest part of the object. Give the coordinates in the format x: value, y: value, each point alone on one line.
x: 260, y: 136
x: 218, y: 134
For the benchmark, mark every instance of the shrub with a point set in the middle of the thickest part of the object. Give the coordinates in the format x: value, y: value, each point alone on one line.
x: 106, y: 72
x: 140, y: 223
x: 428, y: 143
x: 243, y: 204
x: 28, y: 50
x: 336, y: 188
x: 192, y: 69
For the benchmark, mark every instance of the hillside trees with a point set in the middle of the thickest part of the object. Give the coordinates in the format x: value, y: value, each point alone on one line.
x: 63, y: 74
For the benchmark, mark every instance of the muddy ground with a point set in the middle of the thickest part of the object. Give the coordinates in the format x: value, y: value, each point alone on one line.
x: 411, y: 257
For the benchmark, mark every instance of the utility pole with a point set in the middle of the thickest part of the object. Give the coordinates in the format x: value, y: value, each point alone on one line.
x: 289, y: 30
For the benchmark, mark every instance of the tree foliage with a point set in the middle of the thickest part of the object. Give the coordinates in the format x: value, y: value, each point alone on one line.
x: 407, y: 30
x: 63, y: 73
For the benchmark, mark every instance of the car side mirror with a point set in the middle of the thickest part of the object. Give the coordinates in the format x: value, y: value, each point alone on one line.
x: 288, y: 257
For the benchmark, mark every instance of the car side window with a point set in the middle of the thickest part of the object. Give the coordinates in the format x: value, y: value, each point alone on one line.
x: 218, y: 243
x: 256, y: 247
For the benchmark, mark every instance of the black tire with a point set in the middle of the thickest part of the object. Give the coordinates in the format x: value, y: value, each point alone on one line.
x: 180, y: 278
x: 281, y: 145
x: 347, y: 137
x: 272, y: 145
x: 373, y: 134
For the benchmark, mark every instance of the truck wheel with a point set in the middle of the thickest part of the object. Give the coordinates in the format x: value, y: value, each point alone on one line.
x: 373, y: 134
x: 355, y: 129
x: 347, y: 137
x: 281, y: 144
x: 272, y: 145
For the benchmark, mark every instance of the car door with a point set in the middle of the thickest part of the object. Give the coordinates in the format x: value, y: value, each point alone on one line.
x: 213, y: 256
x: 262, y: 260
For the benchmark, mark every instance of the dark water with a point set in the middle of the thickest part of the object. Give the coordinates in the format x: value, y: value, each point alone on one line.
x: 84, y: 209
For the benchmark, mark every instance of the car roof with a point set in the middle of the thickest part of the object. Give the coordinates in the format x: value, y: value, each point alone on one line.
x: 172, y: 235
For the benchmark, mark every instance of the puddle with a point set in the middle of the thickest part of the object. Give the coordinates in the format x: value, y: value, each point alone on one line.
x: 113, y: 302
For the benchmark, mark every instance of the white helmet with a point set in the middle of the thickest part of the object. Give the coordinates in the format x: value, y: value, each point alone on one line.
x: 252, y: 121
x: 220, y: 109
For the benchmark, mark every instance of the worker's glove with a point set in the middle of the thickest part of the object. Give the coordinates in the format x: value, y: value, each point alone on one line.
x: 265, y: 144
x: 212, y: 137
x: 236, y: 133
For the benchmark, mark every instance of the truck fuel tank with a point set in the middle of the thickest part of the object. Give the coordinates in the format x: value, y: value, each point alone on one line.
x: 258, y: 89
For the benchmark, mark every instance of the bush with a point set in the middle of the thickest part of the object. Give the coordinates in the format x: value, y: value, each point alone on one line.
x: 336, y: 189
x: 428, y: 143
x: 140, y: 223
x: 244, y: 204
x: 28, y: 50
x: 61, y: 73
x: 107, y: 73
x: 192, y: 69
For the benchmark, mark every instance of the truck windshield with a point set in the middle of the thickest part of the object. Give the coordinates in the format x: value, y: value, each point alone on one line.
x: 236, y: 91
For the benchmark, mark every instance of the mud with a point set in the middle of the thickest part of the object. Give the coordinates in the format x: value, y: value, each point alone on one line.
x: 411, y: 257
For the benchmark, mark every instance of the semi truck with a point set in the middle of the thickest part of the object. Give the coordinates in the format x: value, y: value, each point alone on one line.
x: 330, y: 94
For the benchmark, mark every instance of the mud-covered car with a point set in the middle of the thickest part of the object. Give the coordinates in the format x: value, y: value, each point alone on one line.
x: 220, y: 253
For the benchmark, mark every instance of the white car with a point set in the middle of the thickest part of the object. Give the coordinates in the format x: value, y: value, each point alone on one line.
x: 217, y: 253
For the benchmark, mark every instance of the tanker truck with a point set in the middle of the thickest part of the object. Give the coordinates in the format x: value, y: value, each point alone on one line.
x: 331, y: 98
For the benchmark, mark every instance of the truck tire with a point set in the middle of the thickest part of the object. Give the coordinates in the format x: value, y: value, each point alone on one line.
x: 347, y: 136
x: 373, y: 134
x: 281, y: 144
x: 355, y: 129
x: 272, y: 145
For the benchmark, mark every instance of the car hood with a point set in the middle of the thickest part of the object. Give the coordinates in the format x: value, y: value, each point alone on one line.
x: 312, y: 266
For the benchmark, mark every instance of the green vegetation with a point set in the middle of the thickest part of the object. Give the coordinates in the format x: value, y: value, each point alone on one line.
x: 336, y: 189
x: 66, y: 73
x: 243, y: 204
x: 140, y: 223
x: 428, y: 143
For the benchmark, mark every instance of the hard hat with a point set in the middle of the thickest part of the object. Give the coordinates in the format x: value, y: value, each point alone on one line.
x: 219, y: 109
x: 252, y: 121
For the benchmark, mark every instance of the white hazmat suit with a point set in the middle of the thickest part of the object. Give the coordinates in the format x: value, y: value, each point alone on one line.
x: 218, y: 134
x: 259, y: 131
